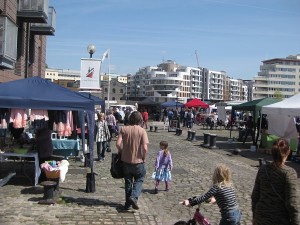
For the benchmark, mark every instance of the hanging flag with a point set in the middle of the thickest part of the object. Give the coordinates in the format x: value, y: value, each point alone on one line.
x: 105, y: 55
x: 89, y: 73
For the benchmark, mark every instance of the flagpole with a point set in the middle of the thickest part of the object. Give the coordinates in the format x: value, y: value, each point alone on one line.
x: 108, y: 78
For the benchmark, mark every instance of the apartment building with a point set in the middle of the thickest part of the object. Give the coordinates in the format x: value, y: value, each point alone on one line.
x: 24, y: 27
x: 165, y: 82
x: 169, y: 81
x: 278, y: 77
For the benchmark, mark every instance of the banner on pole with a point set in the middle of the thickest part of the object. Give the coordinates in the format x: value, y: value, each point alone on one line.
x: 90, y: 73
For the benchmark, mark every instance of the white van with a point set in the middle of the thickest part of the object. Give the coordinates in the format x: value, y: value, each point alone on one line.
x: 123, y: 107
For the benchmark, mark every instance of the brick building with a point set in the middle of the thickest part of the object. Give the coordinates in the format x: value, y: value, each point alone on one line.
x: 24, y: 26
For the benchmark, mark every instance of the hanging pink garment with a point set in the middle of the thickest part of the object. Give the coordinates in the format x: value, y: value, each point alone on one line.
x: 3, y: 124
x: 39, y: 114
x: 18, y: 117
x: 69, y: 124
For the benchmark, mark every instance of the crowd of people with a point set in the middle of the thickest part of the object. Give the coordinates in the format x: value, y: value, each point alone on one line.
x: 187, y: 117
x: 274, y: 196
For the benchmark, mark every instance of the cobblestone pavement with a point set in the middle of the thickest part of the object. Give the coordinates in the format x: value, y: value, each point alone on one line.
x: 193, y: 167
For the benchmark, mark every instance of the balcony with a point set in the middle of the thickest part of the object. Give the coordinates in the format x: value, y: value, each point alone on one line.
x: 33, y: 11
x: 45, y: 28
x: 8, y: 43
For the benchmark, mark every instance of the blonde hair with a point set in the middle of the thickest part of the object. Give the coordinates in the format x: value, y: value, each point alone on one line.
x: 164, y: 146
x: 222, y: 176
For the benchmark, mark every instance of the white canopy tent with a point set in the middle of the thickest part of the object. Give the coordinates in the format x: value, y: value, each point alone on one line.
x: 281, y: 117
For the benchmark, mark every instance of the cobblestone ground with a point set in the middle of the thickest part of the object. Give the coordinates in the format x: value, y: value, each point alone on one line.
x: 193, y: 167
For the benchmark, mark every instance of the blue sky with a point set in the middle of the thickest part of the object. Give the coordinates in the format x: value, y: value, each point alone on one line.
x: 230, y: 35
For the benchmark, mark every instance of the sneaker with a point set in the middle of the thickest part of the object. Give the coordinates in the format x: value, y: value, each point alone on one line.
x: 133, y: 202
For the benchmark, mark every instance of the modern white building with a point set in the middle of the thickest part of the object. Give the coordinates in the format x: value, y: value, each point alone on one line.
x: 215, y: 85
x: 278, y: 77
x: 218, y: 86
x: 62, y: 74
x: 165, y: 82
x: 169, y: 81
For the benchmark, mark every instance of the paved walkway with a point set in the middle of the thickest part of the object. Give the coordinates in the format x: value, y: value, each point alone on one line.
x: 193, y: 167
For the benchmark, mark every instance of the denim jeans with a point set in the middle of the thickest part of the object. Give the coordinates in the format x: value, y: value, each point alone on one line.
x: 134, y: 175
x: 231, y: 217
x: 101, y: 148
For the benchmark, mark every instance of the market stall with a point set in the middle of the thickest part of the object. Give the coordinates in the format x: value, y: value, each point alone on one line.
x: 196, y: 103
x: 254, y: 107
x: 284, y: 111
x: 39, y: 93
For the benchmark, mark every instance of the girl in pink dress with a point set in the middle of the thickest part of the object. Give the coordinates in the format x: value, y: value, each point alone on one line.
x: 163, y: 166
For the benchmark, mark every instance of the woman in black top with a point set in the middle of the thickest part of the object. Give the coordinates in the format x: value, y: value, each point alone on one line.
x: 274, y: 196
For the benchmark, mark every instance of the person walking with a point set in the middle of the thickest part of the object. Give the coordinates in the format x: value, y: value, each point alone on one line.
x: 145, y: 116
x: 102, y: 136
x: 274, y: 196
x: 132, y: 144
x: 249, y: 130
x: 189, y: 119
x: 163, y: 166
x: 111, y: 123
x: 223, y: 193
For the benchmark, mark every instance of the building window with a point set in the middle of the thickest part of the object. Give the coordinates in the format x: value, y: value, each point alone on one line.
x: 113, y: 90
x: 121, y: 91
x: 8, y: 42
x: 113, y: 98
x: 105, y: 89
x: 70, y: 84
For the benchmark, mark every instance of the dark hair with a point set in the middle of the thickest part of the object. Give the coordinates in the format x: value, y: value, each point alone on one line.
x: 280, y: 150
x: 135, y: 118
x: 164, y: 144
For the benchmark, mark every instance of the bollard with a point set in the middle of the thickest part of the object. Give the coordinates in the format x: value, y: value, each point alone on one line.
x: 206, y: 139
x: 49, y: 187
x: 189, y: 135
x: 56, y: 186
x: 151, y: 128
x: 193, y: 136
x: 261, y: 161
x: 155, y: 128
x: 180, y: 132
x: 90, y: 183
x: 213, y: 140
x: 236, y: 151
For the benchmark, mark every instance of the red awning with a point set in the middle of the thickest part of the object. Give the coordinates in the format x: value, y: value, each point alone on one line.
x: 196, y: 103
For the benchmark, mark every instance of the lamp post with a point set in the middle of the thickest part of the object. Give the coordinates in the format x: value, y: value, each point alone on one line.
x: 136, y: 91
x: 91, y: 49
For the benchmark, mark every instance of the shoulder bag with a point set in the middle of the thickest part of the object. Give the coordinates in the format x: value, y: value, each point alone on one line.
x: 116, y: 169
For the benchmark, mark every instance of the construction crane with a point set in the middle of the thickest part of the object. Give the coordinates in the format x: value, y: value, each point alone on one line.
x: 196, y: 53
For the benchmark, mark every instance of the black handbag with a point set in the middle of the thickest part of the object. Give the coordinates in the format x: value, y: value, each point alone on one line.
x: 116, y: 169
